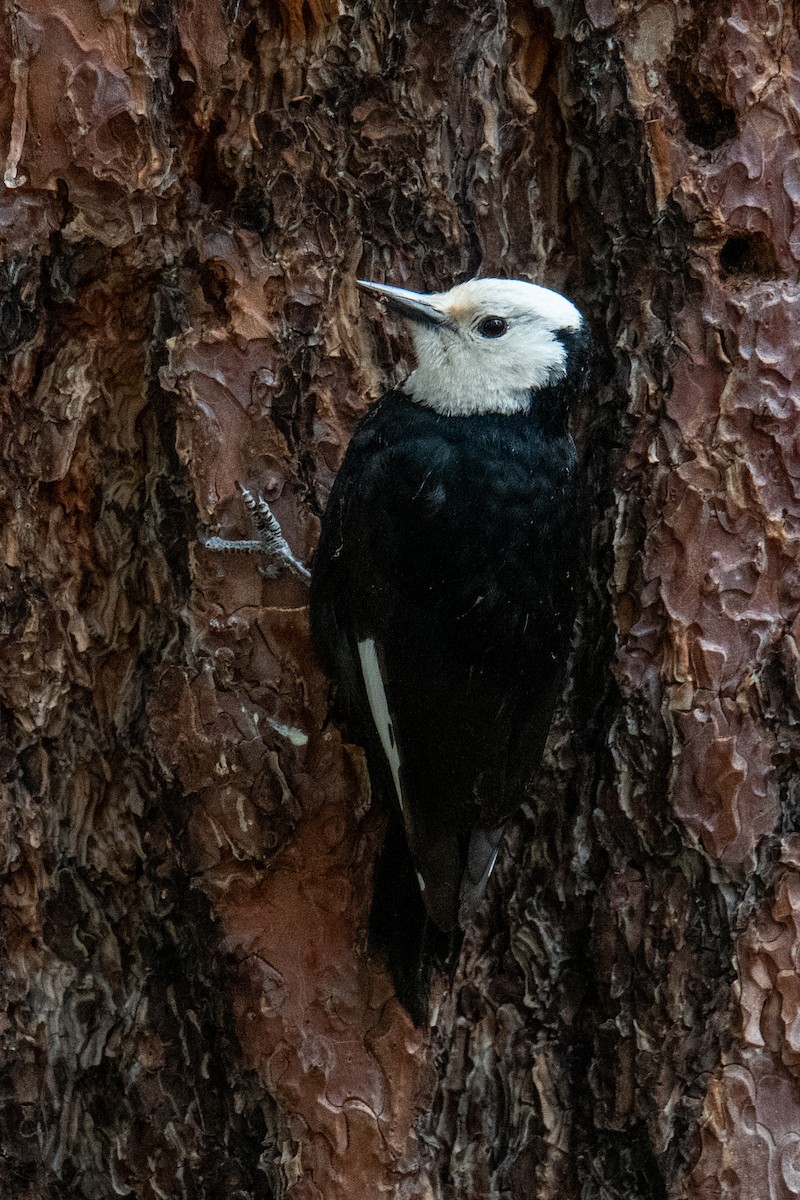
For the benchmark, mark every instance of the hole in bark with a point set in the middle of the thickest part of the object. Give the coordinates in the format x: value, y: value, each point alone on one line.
x: 252, y: 210
x: 708, y: 119
x: 250, y: 42
x: 214, y: 282
x: 270, y: 130
x: 211, y: 174
x: 302, y: 318
x: 749, y: 254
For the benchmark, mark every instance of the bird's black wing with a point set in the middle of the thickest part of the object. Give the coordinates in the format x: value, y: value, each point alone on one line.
x: 428, y: 611
x: 345, y: 589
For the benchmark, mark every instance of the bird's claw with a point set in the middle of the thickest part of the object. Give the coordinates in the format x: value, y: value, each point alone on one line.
x: 270, y: 541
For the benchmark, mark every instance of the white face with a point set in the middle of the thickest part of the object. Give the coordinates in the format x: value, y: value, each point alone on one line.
x: 482, y: 346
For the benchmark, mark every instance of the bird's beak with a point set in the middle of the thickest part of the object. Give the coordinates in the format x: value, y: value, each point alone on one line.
x: 407, y: 304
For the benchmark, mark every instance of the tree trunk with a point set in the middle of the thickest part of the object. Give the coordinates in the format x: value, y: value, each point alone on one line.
x: 188, y: 1006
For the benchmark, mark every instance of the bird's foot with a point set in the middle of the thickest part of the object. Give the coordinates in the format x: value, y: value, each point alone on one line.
x: 270, y: 541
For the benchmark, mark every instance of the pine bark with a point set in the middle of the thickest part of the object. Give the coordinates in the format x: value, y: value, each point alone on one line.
x: 188, y: 1006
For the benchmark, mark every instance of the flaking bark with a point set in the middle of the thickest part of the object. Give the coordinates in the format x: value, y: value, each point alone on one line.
x: 188, y: 1010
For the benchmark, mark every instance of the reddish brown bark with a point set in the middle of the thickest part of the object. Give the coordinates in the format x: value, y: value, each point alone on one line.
x: 189, y: 1009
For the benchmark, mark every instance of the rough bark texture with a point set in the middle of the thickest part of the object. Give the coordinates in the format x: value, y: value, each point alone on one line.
x: 188, y: 1009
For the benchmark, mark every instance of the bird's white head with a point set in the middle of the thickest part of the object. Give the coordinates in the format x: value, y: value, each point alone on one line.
x: 485, y: 345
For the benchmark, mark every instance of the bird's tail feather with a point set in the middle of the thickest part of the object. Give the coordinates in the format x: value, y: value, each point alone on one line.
x: 400, y: 929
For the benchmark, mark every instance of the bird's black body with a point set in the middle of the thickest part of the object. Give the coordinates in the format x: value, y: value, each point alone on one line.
x: 452, y: 543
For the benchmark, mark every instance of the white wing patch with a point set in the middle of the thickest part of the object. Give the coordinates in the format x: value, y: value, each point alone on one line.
x: 379, y: 707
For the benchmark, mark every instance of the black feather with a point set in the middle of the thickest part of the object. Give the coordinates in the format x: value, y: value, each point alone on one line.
x: 400, y: 928
x: 453, y: 544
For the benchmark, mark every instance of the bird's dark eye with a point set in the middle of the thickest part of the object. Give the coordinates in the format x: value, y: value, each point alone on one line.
x: 492, y: 327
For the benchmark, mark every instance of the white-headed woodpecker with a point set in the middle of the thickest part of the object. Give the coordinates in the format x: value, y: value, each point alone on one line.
x: 443, y: 593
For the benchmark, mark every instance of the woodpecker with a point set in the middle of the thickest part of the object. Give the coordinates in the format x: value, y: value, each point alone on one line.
x: 444, y: 589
